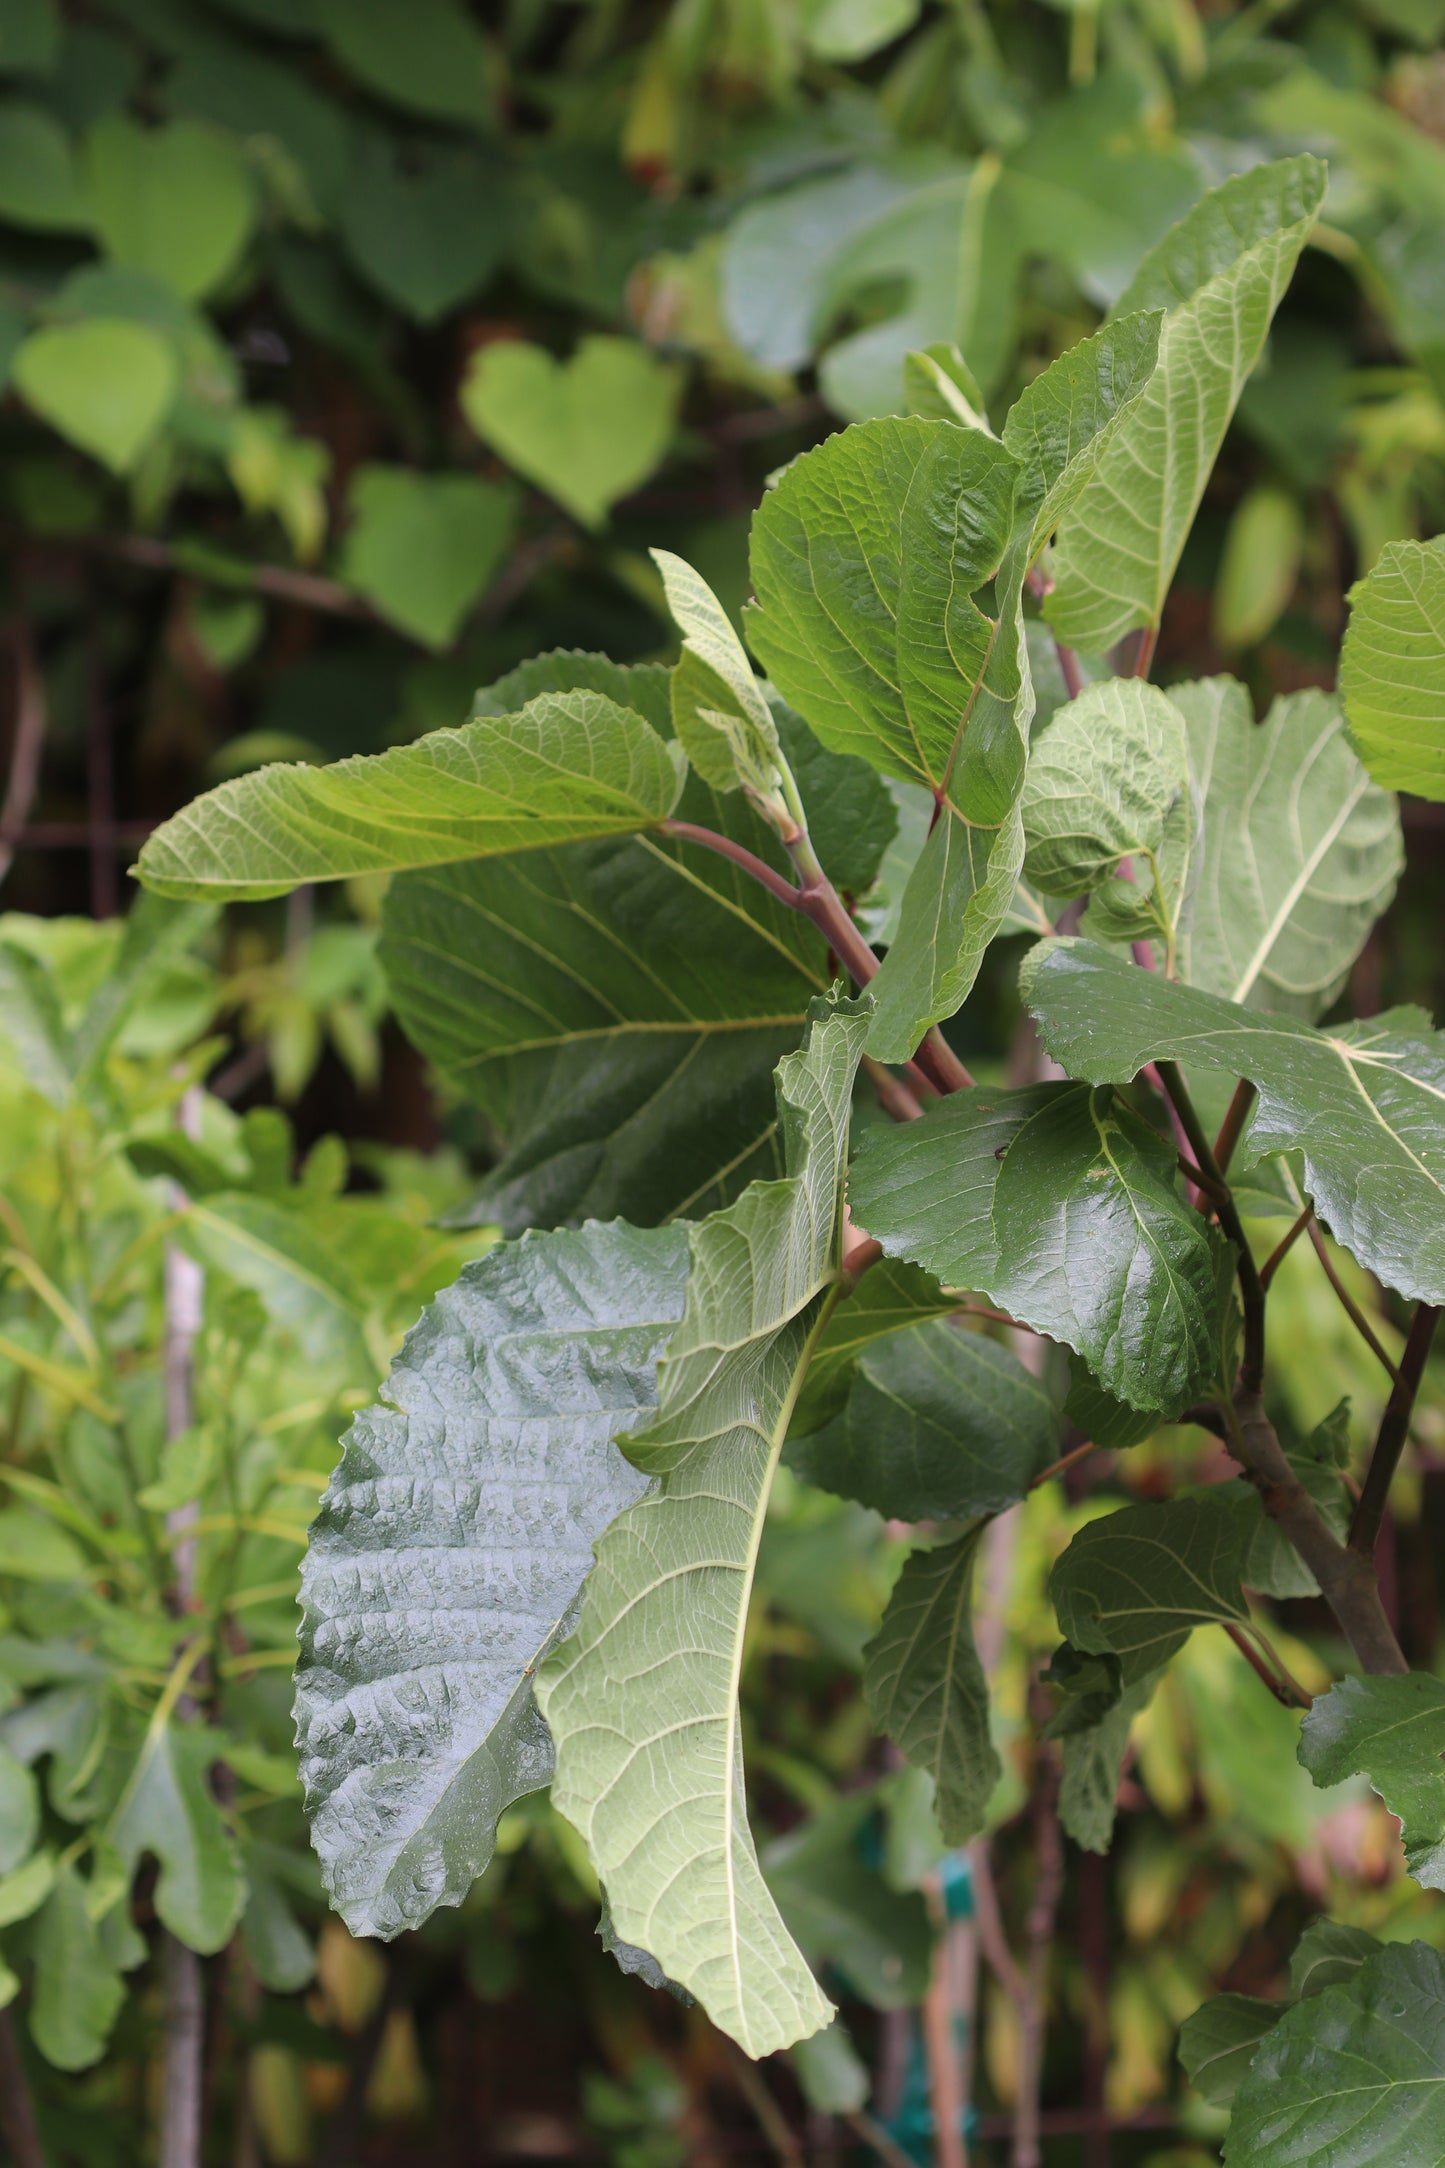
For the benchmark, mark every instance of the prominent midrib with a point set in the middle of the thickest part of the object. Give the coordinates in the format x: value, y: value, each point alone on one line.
x: 1276, y: 925
x: 826, y: 1307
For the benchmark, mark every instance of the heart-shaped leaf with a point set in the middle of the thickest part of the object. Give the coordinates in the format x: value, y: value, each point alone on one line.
x: 589, y: 430
x: 107, y: 385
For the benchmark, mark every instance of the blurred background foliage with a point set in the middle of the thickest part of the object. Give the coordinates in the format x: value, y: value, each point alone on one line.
x: 352, y: 351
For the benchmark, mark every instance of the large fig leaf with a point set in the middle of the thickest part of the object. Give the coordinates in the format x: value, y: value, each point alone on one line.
x: 449, y: 1550
x: 643, y: 1699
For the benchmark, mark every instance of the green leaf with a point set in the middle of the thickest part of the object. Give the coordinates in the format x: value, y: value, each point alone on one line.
x: 155, y: 935
x: 925, y: 1685
x: 1393, y: 1730
x: 889, y: 1298
x: 846, y: 30
x: 39, y: 185
x: 662, y: 1822
x: 1268, y: 1561
x: 617, y: 1008
x: 177, y: 200
x: 106, y: 385
x: 1110, y: 1422
x: 426, y: 56
x: 930, y: 1184
x: 425, y: 223
x: 306, y: 1288
x: 1392, y: 668
x: 1061, y: 1206
x: 1260, y: 565
x: 1136, y: 1583
x: 1092, y: 1758
x: 1353, y: 2078
x: 32, y: 1024
x: 864, y: 559
x: 832, y: 2076
x: 1062, y: 424
x: 852, y: 815
x: 1219, y: 274
x: 944, y: 247
x: 78, y: 1991
x: 958, y: 896
x: 842, y: 1910
x: 1365, y: 1104
x: 1328, y: 1955
x: 19, y: 1811
x: 423, y: 547
x: 277, y: 1946
x: 939, y: 385
x: 1096, y: 181
x: 449, y: 1551
x: 167, y: 1808
x: 569, y: 765
x: 1109, y: 779
x: 1218, y: 2044
x: 25, y: 1889
x: 589, y: 430
x: 940, y: 1424
x: 30, y: 37
x: 33, y: 1548
x: 1301, y: 851
x: 722, y: 720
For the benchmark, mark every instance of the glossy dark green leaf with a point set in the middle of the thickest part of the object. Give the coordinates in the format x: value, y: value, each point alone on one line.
x: 1136, y: 1583
x: 890, y: 1298
x: 940, y: 1424
x: 1354, y: 2077
x: 1365, y: 1103
x: 449, y: 1551
x: 1217, y: 2045
x: 925, y: 1685
x: 1393, y: 1730
x: 1328, y: 1954
x: 1109, y: 1421
x: 1061, y: 1206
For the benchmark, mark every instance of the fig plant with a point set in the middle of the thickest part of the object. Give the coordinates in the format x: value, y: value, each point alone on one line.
x: 624, y: 903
